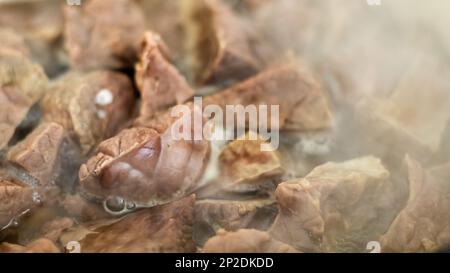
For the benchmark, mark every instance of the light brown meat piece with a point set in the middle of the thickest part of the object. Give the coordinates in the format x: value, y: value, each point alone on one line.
x: 158, y: 81
x: 53, y: 229
x: 212, y: 215
x: 146, y: 166
x: 338, y: 207
x: 15, y: 200
x: 11, y: 40
x: 247, y: 168
x: 166, y: 228
x: 302, y: 103
x: 424, y: 223
x: 91, y: 107
x: 99, y: 34
x: 22, y: 84
x: 41, y: 24
x: 38, y: 246
x: 220, y: 42
x: 163, y: 17
x: 37, y: 154
x: 245, y: 241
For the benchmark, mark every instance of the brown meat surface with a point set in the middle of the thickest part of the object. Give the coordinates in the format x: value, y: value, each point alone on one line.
x: 424, y: 223
x: 15, y: 200
x: 219, y: 40
x: 166, y: 228
x: 91, y: 107
x: 99, y: 34
x: 247, y: 167
x: 145, y: 166
x: 158, y: 81
x: 38, y: 153
x: 338, y: 207
x: 302, y: 103
x: 212, y: 215
x: 38, y: 246
x: 245, y: 241
x: 22, y: 84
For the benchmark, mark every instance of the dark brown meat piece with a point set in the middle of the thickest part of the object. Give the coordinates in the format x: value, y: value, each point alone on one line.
x: 166, y: 228
x: 103, y: 35
x: 38, y: 153
x: 338, y: 207
x: 212, y: 215
x: 22, y: 84
x: 245, y: 241
x: 15, y: 200
x: 146, y: 166
x: 424, y: 223
x: 91, y: 107
x: 220, y: 41
x: 158, y: 81
x: 303, y: 104
x: 37, y: 246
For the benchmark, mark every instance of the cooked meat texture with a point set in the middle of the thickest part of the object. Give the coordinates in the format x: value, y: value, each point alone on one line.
x: 245, y: 241
x: 424, y: 223
x: 338, y: 207
x: 22, y: 84
x: 101, y: 35
x: 91, y: 107
x: 11, y: 40
x: 146, y: 166
x: 220, y: 42
x: 82, y: 209
x: 15, y: 200
x: 212, y: 215
x: 38, y: 246
x: 247, y: 167
x: 162, y: 17
x: 166, y: 228
x: 303, y: 105
x: 37, y: 154
x: 158, y: 81
x: 53, y: 229
x: 41, y: 23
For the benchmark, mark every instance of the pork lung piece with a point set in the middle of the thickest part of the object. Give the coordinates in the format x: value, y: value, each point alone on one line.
x: 212, y: 215
x: 245, y: 241
x: 98, y: 34
x: 15, y: 200
x: 424, y: 223
x: 303, y: 104
x: 38, y: 153
x: 247, y: 168
x: 166, y: 228
x: 145, y: 166
x: 158, y: 81
x: 38, y: 246
x: 22, y: 84
x: 220, y: 41
x: 91, y: 107
x: 338, y: 207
